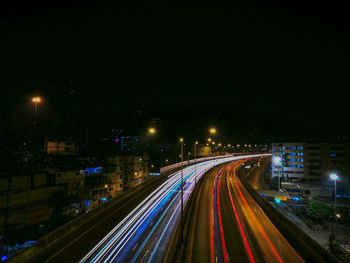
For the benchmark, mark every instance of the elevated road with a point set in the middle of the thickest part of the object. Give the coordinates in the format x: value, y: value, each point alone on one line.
x: 229, y: 226
x: 145, y: 233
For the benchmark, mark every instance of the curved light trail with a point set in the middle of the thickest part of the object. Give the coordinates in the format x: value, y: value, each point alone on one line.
x: 145, y: 233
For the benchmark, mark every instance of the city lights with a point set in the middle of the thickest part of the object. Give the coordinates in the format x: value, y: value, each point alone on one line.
x: 151, y: 130
x: 36, y: 99
x: 334, y: 176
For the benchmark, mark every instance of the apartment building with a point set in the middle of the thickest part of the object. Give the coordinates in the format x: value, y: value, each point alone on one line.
x: 133, y: 170
x: 311, y: 162
x: 321, y: 159
x: 288, y: 161
x: 24, y: 199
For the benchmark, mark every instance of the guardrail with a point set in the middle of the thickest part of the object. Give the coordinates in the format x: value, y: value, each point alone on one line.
x: 308, y: 248
x: 61, y: 231
x: 198, y: 160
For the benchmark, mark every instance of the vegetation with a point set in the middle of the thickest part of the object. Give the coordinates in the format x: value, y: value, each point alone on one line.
x: 318, y: 212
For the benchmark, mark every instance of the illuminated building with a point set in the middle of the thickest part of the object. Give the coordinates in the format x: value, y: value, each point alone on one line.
x: 324, y: 158
x: 52, y: 146
x: 311, y: 162
x: 128, y: 144
x: 291, y: 165
x: 133, y: 170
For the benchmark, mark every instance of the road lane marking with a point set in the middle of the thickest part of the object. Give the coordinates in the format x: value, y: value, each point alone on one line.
x: 250, y: 255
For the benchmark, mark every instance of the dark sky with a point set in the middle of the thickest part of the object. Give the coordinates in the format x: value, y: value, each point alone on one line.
x: 281, y: 62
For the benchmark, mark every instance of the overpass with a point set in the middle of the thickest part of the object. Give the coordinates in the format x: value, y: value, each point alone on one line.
x: 142, y: 225
x: 126, y: 229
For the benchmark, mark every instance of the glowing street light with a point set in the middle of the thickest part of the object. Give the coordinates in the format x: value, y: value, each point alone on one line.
x: 35, y: 100
x: 212, y: 148
x: 334, y: 177
x: 151, y: 130
x: 195, y: 159
x: 182, y: 195
x: 212, y: 131
x: 277, y: 162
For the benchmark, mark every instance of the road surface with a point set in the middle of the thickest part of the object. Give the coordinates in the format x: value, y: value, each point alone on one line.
x: 229, y: 226
x: 144, y: 234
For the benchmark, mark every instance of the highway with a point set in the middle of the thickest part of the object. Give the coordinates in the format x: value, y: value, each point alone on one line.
x: 144, y: 234
x: 229, y: 226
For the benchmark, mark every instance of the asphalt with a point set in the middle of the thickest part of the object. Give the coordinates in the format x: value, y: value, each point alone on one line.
x: 198, y: 248
x: 273, y: 247
x: 227, y: 225
x: 145, y: 236
x: 73, y: 246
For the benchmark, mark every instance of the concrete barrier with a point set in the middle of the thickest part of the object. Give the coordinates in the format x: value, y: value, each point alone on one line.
x: 198, y: 160
x: 49, y: 239
x: 307, y: 248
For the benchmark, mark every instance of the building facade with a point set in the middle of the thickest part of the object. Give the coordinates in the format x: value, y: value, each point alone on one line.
x: 312, y: 162
x: 321, y: 159
x: 128, y: 171
x: 288, y: 161
x: 25, y: 199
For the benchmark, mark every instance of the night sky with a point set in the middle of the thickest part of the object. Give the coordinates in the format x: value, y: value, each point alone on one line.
x: 281, y: 63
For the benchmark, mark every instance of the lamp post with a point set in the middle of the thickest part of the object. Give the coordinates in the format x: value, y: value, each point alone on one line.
x: 195, y: 161
x: 335, y: 177
x: 212, y: 147
x: 35, y: 100
x: 212, y: 131
x: 182, y: 182
x: 277, y: 161
x: 151, y: 131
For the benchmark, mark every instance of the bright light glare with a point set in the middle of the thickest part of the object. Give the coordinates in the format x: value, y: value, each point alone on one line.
x: 212, y: 130
x: 112, y: 245
x: 277, y: 160
x: 36, y: 99
x: 151, y: 130
x: 334, y: 177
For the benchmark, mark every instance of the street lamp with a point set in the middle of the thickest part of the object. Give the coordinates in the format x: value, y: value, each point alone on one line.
x: 335, y: 177
x: 277, y: 162
x: 35, y: 100
x: 213, y: 149
x: 151, y: 131
x: 195, y: 161
x: 182, y: 182
x: 212, y: 131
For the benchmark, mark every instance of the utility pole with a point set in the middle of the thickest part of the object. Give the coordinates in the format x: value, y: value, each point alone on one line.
x: 195, y: 162
x: 182, y: 182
